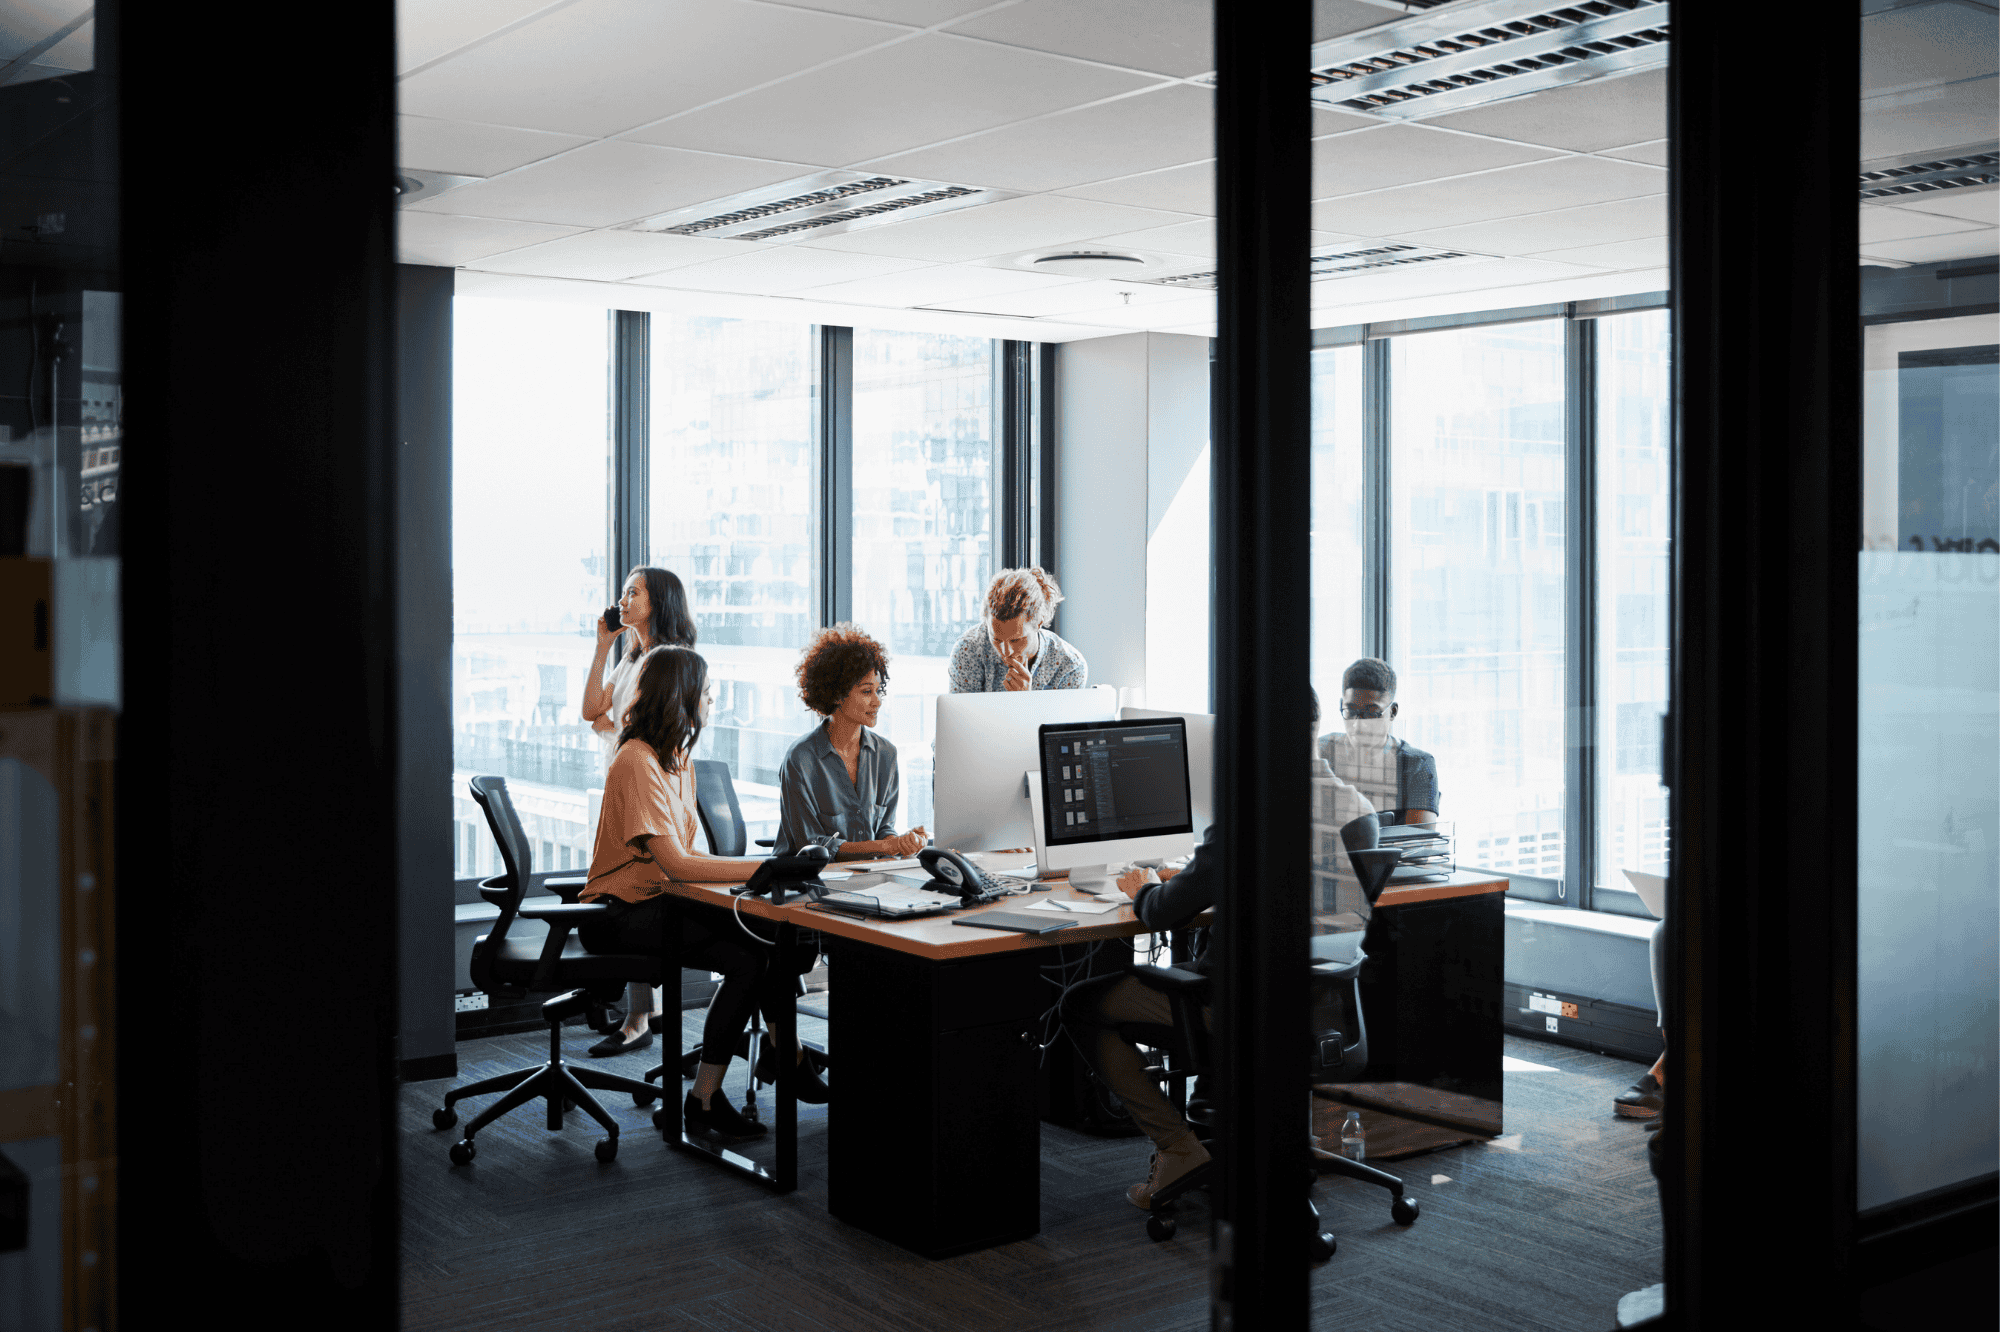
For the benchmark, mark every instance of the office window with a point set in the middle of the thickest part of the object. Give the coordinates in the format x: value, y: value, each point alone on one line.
x: 530, y: 495
x: 924, y: 462
x: 1339, y: 524
x: 1477, y: 564
x: 1634, y: 568
x: 734, y: 475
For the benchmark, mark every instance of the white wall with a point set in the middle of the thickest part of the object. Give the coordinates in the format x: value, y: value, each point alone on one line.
x: 1133, y: 512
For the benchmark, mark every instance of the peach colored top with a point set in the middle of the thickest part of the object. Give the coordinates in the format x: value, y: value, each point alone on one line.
x: 647, y: 829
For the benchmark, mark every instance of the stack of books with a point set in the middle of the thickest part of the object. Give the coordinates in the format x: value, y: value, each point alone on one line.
x: 1427, y: 851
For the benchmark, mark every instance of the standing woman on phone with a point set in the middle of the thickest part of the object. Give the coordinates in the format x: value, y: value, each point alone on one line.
x: 651, y: 612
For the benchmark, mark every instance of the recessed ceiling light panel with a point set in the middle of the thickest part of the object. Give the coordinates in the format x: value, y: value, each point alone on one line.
x: 830, y: 203
x: 412, y: 185
x: 1339, y: 261
x: 1118, y: 265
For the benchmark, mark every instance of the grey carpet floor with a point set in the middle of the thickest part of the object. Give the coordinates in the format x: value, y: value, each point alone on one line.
x: 1543, y: 1228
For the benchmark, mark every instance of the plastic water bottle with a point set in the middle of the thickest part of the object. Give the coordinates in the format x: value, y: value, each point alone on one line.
x: 1353, y: 1138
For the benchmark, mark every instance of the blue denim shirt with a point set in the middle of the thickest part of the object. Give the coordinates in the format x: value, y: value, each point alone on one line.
x: 819, y: 806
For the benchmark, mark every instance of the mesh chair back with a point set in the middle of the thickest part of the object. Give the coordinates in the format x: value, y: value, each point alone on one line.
x: 503, y: 890
x: 715, y: 802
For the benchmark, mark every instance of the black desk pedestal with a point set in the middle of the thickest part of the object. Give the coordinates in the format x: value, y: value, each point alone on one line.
x: 932, y: 1137
x: 1431, y: 991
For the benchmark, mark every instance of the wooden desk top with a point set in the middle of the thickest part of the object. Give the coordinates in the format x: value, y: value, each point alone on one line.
x: 1464, y: 883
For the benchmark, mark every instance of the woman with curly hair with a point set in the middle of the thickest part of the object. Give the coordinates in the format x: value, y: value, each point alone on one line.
x: 646, y: 837
x: 839, y: 784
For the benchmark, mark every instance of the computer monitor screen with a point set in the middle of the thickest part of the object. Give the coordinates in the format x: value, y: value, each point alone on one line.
x: 1115, y: 781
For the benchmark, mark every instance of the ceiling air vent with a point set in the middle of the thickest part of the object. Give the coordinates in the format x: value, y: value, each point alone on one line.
x: 1341, y: 261
x: 412, y: 185
x: 1475, y: 52
x: 828, y: 204
x: 1977, y: 167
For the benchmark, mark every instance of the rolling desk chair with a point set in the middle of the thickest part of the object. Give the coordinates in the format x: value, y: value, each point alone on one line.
x: 510, y: 968
x: 1186, y: 1044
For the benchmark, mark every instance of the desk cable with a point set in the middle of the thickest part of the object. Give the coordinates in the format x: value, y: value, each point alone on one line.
x: 736, y: 910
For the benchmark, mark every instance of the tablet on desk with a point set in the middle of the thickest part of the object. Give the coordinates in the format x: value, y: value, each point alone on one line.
x: 1018, y: 921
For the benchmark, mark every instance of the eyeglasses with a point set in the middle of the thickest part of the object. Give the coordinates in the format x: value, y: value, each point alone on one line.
x: 1365, y: 712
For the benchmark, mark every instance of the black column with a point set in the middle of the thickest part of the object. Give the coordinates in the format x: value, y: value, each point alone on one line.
x: 836, y: 480
x: 258, y: 778
x: 423, y: 653
x: 631, y: 436
x: 1761, y: 893
x: 1580, y: 754
x: 1262, y: 518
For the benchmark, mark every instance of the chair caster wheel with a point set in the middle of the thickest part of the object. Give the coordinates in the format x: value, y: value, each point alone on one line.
x: 1322, y: 1247
x: 568, y: 1105
x: 444, y: 1119
x: 1161, y: 1228
x: 607, y: 1150
x: 750, y: 1113
x: 463, y: 1151
x: 1403, y: 1211
x: 643, y: 1098
x: 663, y: 1121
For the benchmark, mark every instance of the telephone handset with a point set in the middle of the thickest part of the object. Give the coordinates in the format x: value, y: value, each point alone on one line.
x: 954, y: 873
x: 798, y: 872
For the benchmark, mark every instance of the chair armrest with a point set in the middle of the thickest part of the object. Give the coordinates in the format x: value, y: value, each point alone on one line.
x: 495, y: 889
x: 566, y: 886
x: 566, y: 913
x: 767, y: 841
x: 1172, y: 980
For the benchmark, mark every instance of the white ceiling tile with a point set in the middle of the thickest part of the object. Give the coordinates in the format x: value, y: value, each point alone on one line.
x: 473, y: 150
x: 1882, y: 222
x: 1183, y: 189
x: 1337, y: 18
x: 1198, y: 238
x: 1163, y: 127
x: 1190, y: 308
x: 1585, y: 117
x: 609, y: 182
x: 1920, y: 45
x: 601, y: 66
x: 891, y: 100
x: 1373, y: 159
x: 1010, y: 226
x: 1538, y: 187
x: 1977, y: 203
x: 1171, y: 37
x: 1419, y: 281
x: 1595, y: 224
x: 611, y: 256
x: 1928, y: 120
x: 773, y: 269
x: 448, y: 242
x: 427, y: 29
x: 1653, y: 154
x: 1073, y: 298
x: 1936, y: 249
x: 1648, y: 253
x: 915, y: 13
x: 938, y: 285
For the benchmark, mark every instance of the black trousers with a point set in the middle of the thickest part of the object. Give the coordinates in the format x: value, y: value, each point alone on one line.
x: 752, y: 973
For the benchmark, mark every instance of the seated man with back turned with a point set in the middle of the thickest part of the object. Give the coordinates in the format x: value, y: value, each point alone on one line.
x: 1094, y: 1009
x: 1392, y: 773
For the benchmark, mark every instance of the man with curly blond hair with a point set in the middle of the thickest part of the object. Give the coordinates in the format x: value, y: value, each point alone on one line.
x: 839, y: 783
x: 1012, y: 647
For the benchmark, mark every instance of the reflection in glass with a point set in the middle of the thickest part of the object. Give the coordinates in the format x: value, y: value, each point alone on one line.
x: 1634, y: 512
x: 530, y: 497
x: 924, y: 464
x: 733, y: 510
x: 1339, y: 523
x: 1477, y: 567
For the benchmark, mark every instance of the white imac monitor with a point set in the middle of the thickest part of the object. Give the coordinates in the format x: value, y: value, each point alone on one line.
x: 1201, y: 760
x: 1111, y: 792
x: 982, y: 745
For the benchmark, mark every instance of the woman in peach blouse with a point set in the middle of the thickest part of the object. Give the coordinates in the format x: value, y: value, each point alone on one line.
x: 646, y: 836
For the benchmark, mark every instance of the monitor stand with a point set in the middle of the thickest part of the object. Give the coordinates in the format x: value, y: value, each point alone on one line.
x: 1093, y: 879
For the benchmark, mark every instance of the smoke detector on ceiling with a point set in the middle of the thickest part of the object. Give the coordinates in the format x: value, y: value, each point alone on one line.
x: 830, y: 203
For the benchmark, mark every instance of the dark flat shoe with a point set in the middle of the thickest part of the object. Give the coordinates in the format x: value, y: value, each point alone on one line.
x: 1642, y: 1100
x: 720, y: 1118
x: 616, y: 1044
x: 806, y: 1083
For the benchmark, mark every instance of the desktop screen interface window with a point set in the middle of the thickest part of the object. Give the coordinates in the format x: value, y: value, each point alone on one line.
x: 1114, y: 783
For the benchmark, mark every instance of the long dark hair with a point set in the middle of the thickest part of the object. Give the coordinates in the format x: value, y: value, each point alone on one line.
x: 667, y: 712
x: 672, y: 625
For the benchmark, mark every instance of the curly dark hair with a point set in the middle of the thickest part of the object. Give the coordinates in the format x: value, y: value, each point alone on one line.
x: 836, y: 660
x: 1370, y: 673
x: 667, y: 712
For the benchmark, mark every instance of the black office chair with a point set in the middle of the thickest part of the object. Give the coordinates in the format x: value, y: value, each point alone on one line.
x: 511, y: 968
x: 1185, y: 1045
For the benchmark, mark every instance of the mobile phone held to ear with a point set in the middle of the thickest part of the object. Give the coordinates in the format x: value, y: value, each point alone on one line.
x: 611, y: 621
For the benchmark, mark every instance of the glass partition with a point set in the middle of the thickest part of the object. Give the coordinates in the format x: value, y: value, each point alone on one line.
x: 530, y: 506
